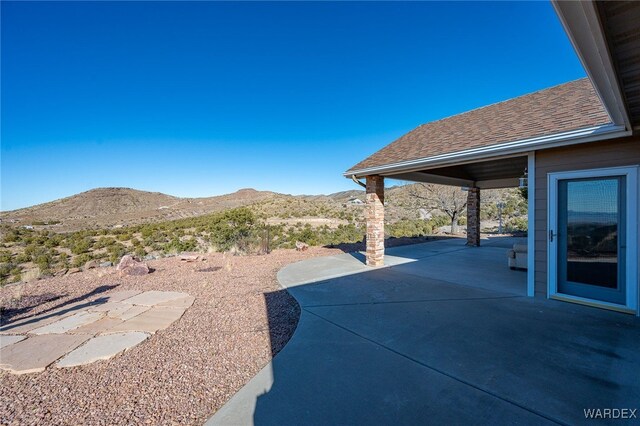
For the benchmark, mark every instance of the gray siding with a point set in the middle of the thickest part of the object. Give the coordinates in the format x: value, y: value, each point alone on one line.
x: 617, y: 152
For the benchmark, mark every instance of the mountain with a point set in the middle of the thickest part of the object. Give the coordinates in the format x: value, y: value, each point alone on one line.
x: 108, y: 207
x: 117, y: 207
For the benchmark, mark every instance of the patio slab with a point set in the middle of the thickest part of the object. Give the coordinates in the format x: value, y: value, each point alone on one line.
x: 433, y: 341
x: 36, y: 353
x: 101, y: 348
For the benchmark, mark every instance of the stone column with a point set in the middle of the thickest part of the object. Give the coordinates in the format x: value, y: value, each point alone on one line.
x: 473, y: 217
x: 375, y: 220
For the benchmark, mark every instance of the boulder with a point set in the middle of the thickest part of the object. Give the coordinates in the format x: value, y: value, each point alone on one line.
x: 130, y: 266
x: 300, y: 246
x: 188, y: 257
x: 91, y: 265
x: 106, y: 264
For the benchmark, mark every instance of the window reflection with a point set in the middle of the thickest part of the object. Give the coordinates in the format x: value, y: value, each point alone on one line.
x: 592, y: 231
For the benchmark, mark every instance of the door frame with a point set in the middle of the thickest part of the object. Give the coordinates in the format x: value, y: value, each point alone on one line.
x: 631, y: 173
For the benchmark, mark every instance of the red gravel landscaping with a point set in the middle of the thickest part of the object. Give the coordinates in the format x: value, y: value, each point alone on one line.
x: 181, y: 375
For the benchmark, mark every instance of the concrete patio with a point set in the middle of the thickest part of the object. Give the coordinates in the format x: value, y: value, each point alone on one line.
x: 443, y: 333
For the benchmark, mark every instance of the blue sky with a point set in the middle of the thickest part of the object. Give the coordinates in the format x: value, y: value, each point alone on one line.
x: 204, y: 98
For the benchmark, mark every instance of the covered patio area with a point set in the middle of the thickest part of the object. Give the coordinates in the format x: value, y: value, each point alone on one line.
x: 472, y: 176
x: 409, y: 343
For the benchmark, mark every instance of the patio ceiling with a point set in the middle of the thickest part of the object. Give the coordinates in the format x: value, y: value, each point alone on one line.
x: 492, y: 174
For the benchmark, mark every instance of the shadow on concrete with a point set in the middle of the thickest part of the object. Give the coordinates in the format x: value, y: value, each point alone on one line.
x: 398, y: 345
x: 56, y: 310
x: 391, y: 242
x: 283, y: 313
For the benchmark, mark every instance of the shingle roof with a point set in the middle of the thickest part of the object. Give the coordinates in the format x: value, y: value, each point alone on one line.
x: 567, y: 107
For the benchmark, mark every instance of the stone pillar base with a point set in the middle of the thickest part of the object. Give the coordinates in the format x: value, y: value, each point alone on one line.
x: 375, y: 220
x: 473, y: 217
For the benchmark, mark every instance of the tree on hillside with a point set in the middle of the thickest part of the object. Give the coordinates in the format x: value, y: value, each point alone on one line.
x: 451, y: 200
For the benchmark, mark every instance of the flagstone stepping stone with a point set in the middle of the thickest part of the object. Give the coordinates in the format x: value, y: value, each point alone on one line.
x: 10, y: 340
x: 31, y: 323
x: 150, y: 298
x: 102, y: 347
x: 107, y: 326
x: 119, y: 296
x: 154, y: 319
x: 34, y: 354
x: 103, y: 324
x: 128, y: 313
x: 109, y: 306
x: 184, y: 302
x: 69, y: 323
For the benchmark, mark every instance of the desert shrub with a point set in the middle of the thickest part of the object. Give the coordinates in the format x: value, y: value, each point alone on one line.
x: 308, y: 236
x: 64, y: 260
x: 518, y: 224
x: 10, y: 235
x: 233, y: 228
x: 44, y: 261
x: 116, y: 251
x: 22, y: 258
x: 409, y: 228
x: 5, y: 272
x: 462, y: 220
x: 16, y: 274
x: 438, y: 221
x: 81, y: 246
x: 103, y: 242
x: 177, y: 245
x: 140, y: 251
x: 81, y: 259
x: 5, y: 256
x: 53, y: 240
x: 124, y: 237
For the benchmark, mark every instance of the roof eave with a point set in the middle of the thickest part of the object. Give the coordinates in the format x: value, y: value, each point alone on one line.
x: 590, y: 134
x: 581, y: 22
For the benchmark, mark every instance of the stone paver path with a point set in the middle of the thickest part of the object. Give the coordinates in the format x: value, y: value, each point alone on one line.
x: 85, y: 332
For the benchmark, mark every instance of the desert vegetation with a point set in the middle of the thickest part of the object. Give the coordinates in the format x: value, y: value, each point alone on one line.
x: 36, y: 250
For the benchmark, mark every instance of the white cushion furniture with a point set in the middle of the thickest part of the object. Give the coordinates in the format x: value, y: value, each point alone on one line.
x: 517, y: 256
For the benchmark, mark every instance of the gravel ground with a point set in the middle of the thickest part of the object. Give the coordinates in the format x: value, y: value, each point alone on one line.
x: 181, y: 375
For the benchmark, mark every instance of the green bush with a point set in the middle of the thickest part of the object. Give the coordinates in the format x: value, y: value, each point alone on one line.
x: 116, y: 251
x: 81, y: 259
x: 82, y: 246
x: 5, y: 256
x: 518, y: 224
x: 440, y: 220
x: 409, y: 228
x: 233, y: 228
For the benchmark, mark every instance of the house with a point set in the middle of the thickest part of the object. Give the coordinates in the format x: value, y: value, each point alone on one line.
x: 577, y: 146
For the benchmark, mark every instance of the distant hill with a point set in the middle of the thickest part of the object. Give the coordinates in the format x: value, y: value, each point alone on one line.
x: 116, y: 207
x: 108, y: 207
